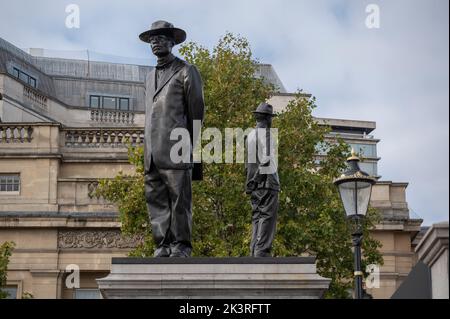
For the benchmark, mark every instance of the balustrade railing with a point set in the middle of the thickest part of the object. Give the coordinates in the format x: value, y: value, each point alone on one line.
x: 35, y: 97
x: 112, y: 116
x: 97, y: 138
x: 15, y: 133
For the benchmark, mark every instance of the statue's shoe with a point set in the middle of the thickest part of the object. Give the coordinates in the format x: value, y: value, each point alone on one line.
x: 162, y: 252
x: 181, y: 254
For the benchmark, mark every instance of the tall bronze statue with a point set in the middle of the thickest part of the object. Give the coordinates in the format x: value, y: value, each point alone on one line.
x: 262, y: 182
x: 174, y: 100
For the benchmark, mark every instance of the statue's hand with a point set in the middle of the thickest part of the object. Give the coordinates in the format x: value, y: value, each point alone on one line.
x: 251, y: 186
x: 259, y: 178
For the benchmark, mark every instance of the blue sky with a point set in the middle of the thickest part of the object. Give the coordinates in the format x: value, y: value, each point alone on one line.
x: 396, y: 75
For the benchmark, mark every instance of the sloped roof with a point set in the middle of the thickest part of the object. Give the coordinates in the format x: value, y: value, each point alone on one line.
x: 267, y: 72
x: 84, y: 68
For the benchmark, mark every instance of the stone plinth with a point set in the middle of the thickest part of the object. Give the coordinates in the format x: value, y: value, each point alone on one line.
x: 244, y: 277
x: 433, y: 251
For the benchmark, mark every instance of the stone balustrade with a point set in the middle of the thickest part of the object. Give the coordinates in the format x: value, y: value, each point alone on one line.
x: 15, y: 133
x: 52, y: 136
x: 112, y: 116
x: 98, y: 138
x: 35, y: 97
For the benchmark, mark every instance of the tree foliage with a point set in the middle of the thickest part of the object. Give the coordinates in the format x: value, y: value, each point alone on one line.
x: 5, y: 252
x: 311, y: 219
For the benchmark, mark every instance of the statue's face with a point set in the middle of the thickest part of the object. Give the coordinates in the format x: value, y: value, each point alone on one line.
x: 161, y: 45
x: 262, y: 120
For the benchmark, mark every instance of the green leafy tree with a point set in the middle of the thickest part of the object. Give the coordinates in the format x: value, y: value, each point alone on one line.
x: 311, y: 219
x: 5, y: 252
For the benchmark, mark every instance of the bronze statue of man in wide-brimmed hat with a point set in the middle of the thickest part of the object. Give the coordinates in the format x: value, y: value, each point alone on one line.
x: 173, y: 103
x: 263, y: 183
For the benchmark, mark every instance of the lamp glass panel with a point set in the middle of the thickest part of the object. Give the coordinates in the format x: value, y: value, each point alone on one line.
x: 347, y: 191
x: 364, y: 192
x: 355, y: 197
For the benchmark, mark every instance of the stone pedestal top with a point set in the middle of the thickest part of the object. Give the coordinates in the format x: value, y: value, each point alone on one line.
x: 235, y: 277
x: 215, y: 260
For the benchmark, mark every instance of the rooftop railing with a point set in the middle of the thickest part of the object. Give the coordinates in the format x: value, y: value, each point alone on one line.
x: 112, y: 116
x: 102, y: 137
x: 351, y: 135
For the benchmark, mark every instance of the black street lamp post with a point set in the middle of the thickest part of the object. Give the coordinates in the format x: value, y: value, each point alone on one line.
x: 355, y: 188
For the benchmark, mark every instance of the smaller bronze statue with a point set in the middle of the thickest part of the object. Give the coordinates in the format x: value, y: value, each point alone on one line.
x: 262, y: 182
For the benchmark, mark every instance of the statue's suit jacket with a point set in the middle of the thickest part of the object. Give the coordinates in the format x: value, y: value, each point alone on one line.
x: 259, y: 155
x: 175, y: 103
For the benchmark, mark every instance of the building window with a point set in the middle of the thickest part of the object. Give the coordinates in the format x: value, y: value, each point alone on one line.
x: 124, y: 104
x: 32, y: 82
x: 369, y: 167
x: 365, y: 150
x: 109, y: 102
x: 9, y: 183
x: 11, y: 292
x: 322, y: 149
x: 94, y: 101
x: 87, y: 294
x: 24, y: 77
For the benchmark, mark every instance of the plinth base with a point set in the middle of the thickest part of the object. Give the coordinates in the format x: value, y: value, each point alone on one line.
x: 244, y: 277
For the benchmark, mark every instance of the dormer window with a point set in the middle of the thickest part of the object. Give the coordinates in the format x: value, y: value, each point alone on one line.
x: 109, y: 102
x: 24, y: 77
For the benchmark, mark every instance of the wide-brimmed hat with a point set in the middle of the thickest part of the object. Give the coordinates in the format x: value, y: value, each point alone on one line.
x: 265, y: 108
x: 164, y: 28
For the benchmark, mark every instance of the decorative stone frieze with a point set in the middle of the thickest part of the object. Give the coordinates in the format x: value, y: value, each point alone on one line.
x: 95, y: 239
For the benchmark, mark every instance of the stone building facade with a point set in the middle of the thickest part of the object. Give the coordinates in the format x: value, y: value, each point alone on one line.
x: 63, y: 126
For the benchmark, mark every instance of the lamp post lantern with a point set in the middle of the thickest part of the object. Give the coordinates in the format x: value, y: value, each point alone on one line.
x: 355, y: 188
